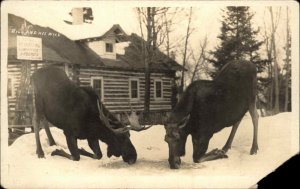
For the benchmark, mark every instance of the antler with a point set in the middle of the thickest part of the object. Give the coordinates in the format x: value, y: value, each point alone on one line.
x: 134, y: 122
x: 108, y: 121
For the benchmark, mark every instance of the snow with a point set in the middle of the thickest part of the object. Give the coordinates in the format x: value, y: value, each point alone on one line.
x: 23, y: 169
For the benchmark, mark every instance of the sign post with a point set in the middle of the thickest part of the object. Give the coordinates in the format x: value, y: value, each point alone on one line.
x: 28, y: 49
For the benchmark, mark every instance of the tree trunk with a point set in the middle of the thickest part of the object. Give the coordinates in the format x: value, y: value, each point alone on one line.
x: 276, y: 106
x: 167, y: 36
x: 147, y: 62
x: 287, y: 52
x: 201, y: 57
x: 184, y: 54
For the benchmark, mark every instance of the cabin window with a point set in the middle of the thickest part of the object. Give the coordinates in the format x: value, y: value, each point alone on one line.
x: 109, y: 47
x: 10, y: 92
x: 97, y: 84
x: 134, y: 88
x: 158, y: 89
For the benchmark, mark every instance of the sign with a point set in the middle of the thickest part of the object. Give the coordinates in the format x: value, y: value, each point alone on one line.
x: 29, y: 48
x: 28, y: 30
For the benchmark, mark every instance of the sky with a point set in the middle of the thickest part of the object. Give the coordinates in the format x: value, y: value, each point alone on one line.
x: 206, y: 18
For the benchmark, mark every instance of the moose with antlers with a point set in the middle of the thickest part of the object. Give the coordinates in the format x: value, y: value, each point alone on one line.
x: 79, y: 113
x: 207, y: 107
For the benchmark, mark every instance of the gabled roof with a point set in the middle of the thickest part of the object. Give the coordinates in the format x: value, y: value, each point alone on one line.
x: 115, y: 31
x: 61, y: 49
x: 55, y: 48
x: 134, y: 59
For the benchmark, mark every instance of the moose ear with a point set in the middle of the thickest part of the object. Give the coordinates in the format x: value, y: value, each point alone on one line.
x: 184, y: 121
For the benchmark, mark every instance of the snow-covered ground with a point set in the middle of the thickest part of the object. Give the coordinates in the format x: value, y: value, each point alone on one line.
x: 277, y: 135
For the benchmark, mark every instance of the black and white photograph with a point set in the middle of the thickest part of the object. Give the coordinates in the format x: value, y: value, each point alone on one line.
x: 147, y: 94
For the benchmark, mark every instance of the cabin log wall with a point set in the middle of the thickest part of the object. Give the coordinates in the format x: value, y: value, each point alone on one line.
x: 14, y: 72
x: 116, y: 89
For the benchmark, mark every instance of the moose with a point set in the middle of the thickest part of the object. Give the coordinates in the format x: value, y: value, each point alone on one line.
x: 206, y: 107
x: 80, y: 114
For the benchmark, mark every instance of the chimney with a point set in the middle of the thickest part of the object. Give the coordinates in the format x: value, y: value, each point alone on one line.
x: 77, y: 14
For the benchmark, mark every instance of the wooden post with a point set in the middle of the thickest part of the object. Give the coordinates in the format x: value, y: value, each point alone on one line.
x: 67, y: 69
x: 22, y: 98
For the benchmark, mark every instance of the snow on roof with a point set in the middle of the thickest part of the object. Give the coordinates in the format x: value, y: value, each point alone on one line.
x: 58, y: 48
x: 54, y: 17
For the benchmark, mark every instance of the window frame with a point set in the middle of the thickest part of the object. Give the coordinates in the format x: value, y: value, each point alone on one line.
x: 138, y: 89
x: 102, y: 85
x: 112, y: 46
x: 162, y: 89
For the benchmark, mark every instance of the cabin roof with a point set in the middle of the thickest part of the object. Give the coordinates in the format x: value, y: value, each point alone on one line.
x: 55, y: 48
x: 132, y: 59
x: 61, y: 49
x: 116, y: 30
x: 133, y: 56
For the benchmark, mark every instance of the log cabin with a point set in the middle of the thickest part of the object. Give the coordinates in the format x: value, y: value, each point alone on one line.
x: 111, y: 63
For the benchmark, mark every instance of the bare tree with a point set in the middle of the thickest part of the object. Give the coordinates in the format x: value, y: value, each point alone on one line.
x: 268, y: 48
x: 287, y: 61
x: 200, y: 61
x: 272, y: 63
x: 276, y: 73
x: 171, y: 17
x: 148, y: 59
x: 188, y: 33
x: 157, y: 25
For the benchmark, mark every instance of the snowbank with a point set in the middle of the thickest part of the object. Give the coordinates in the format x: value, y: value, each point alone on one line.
x: 23, y: 169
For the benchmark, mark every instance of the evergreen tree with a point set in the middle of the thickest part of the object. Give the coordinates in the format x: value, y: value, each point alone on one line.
x: 238, y: 40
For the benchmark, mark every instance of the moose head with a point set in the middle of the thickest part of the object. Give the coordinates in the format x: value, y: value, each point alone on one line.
x: 121, y: 145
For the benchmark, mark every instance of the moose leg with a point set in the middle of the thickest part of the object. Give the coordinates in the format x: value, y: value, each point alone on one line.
x: 182, y: 143
x: 62, y: 153
x: 227, y: 146
x: 49, y: 135
x: 213, y: 155
x: 72, y: 145
x: 36, y: 124
x: 200, y: 145
x: 94, y: 145
x: 254, y: 116
x: 83, y: 152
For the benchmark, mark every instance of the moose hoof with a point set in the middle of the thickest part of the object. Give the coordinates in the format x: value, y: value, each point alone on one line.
x: 253, y: 150
x: 99, y: 156
x: 175, y: 164
x: 55, y: 152
x: 131, y: 161
x: 226, y: 148
x: 40, y: 154
x: 212, y: 155
x: 75, y: 158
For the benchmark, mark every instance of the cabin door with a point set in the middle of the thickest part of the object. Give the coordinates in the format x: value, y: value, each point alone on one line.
x: 97, y: 84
